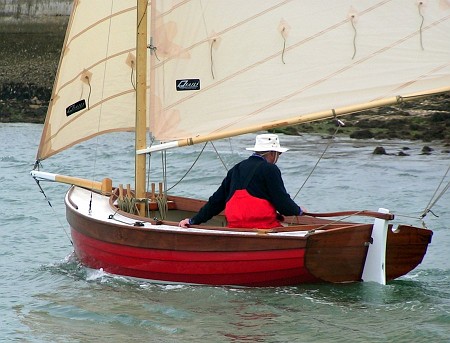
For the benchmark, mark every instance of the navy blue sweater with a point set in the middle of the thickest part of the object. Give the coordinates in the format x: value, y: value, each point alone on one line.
x: 266, y: 183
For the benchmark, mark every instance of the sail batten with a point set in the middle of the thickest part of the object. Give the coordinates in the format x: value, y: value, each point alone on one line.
x: 221, y: 67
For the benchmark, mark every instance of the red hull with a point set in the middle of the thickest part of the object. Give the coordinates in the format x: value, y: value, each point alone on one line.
x: 255, y: 268
x: 164, y: 253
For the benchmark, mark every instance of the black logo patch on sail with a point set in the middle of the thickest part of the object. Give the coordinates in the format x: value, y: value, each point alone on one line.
x: 188, y: 85
x: 74, y: 108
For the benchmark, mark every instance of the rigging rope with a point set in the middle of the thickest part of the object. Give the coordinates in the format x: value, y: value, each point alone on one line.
x: 132, y: 81
x: 211, y: 58
x: 220, y: 157
x: 284, y: 45
x: 51, y: 206
x: 352, y: 18
x: 419, y: 4
x: 149, y: 163
x: 164, y: 168
x: 190, y: 168
x: 330, y: 141
x: 434, y: 199
x: 127, y: 204
x: 90, y: 91
x: 337, y: 221
x: 153, y: 48
x: 163, y: 205
x: 94, y: 164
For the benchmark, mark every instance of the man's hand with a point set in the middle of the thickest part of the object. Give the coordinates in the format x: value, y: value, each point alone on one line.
x: 184, y: 223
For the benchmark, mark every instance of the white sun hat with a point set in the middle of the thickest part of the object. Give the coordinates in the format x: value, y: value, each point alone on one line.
x: 267, y: 142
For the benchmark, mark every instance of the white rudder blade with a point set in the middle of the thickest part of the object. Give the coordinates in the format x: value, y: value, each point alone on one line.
x: 375, y: 266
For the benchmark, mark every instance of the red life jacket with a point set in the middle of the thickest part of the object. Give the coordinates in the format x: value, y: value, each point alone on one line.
x: 246, y: 211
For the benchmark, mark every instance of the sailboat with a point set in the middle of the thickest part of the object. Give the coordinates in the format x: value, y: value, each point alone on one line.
x: 184, y: 72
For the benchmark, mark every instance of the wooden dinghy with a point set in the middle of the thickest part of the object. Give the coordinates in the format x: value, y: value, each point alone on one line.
x: 311, y: 250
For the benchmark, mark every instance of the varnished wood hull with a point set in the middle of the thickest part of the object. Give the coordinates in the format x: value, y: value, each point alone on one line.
x: 164, y: 253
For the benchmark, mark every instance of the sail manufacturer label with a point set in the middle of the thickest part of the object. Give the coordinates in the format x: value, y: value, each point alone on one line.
x: 188, y: 85
x: 78, y: 106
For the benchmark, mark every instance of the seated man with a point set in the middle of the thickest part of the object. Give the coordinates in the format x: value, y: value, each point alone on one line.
x: 253, y: 193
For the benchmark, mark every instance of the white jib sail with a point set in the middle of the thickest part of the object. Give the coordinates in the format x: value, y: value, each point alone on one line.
x: 94, y: 91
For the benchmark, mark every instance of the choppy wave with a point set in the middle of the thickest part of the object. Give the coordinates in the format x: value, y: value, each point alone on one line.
x: 47, y: 296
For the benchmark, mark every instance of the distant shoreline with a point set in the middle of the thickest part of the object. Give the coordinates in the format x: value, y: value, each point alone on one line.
x: 28, y: 68
x: 34, y: 9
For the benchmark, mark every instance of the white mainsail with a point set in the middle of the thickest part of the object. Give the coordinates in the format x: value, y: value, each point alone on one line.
x: 242, y: 66
x: 337, y: 53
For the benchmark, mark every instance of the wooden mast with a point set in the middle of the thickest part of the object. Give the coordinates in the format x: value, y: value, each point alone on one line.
x: 141, y: 100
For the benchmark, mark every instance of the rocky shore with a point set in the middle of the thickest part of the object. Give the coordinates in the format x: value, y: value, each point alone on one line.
x: 28, y: 65
x: 29, y: 62
x: 427, y: 120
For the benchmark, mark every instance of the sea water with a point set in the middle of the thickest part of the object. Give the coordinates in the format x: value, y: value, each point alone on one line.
x: 46, y: 296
